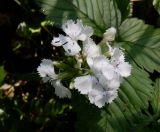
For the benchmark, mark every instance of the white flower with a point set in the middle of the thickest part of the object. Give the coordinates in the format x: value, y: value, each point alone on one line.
x: 110, y: 34
x: 75, y: 31
x: 84, y: 84
x: 97, y: 97
x: 46, y: 71
x: 105, y: 72
x: 118, y: 61
x: 90, y: 86
x: 97, y: 94
x: 60, y: 90
x: 71, y: 47
x: 100, y: 65
x: 90, y: 49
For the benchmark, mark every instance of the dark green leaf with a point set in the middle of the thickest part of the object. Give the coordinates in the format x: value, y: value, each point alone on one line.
x: 124, y: 7
x: 156, y: 97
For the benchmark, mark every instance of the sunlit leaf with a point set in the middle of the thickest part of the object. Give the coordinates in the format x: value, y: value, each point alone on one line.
x: 142, y: 43
x: 100, y: 14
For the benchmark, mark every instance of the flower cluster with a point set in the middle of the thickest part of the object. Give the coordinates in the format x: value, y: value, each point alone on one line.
x: 103, y: 72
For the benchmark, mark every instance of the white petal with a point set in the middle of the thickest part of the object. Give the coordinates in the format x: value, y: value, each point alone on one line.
x: 98, y: 63
x: 101, y: 66
x: 72, y: 28
x: 114, y: 83
x: 59, y: 41
x: 71, y: 47
x: 85, y: 33
x: 111, y: 95
x: 90, y: 61
x: 118, y: 54
x: 90, y: 49
x: 60, y: 90
x: 124, y: 69
x: 108, y: 71
x: 97, y: 97
x: 109, y: 35
x: 83, y: 84
x: 46, y: 69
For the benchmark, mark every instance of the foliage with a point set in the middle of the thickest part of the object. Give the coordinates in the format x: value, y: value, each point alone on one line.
x: 33, y: 105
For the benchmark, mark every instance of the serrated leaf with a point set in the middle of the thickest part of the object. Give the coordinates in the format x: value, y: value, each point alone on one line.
x: 100, y: 14
x: 142, y: 43
x: 156, y: 97
x: 124, y: 114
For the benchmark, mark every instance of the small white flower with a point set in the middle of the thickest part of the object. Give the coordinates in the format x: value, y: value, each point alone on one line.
x: 97, y: 94
x: 110, y: 34
x: 71, y: 47
x: 90, y: 86
x: 76, y: 30
x: 46, y: 71
x: 90, y: 49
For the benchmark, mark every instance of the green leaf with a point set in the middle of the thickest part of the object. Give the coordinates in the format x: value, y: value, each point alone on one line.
x: 124, y: 114
x: 100, y: 14
x: 2, y: 74
x: 124, y: 7
x: 142, y: 43
x: 156, y: 97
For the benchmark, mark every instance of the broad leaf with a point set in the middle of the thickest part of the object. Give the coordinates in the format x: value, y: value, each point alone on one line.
x: 142, y: 42
x: 156, y: 99
x: 100, y: 14
x: 124, y: 114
